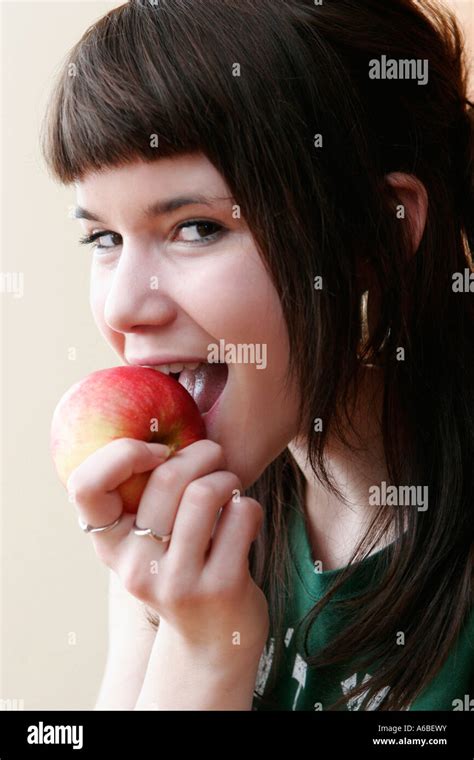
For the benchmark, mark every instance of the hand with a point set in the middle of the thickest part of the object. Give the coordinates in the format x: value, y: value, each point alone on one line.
x: 198, y: 582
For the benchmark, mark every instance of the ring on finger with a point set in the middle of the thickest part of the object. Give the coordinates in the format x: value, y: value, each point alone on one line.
x: 100, y: 529
x: 149, y: 532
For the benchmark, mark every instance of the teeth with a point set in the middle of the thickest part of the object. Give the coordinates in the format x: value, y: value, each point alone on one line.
x: 176, y: 367
x: 162, y: 368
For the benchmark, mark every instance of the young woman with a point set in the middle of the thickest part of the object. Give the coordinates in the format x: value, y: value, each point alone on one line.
x: 292, y: 181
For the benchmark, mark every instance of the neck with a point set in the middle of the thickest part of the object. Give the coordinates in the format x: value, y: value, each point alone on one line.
x: 334, y: 527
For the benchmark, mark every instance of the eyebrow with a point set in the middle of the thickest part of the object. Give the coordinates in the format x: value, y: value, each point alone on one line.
x: 159, y: 208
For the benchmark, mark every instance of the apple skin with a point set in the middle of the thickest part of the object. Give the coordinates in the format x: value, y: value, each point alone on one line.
x: 122, y: 402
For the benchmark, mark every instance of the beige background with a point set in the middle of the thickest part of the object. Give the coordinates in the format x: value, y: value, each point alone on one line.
x: 53, y: 589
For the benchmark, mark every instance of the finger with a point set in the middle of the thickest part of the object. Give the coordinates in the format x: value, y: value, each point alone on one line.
x: 196, y: 518
x: 92, y: 484
x: 138, y: 565
x: 238, y: 525
x: 160, y: 502
x: 165, y: 488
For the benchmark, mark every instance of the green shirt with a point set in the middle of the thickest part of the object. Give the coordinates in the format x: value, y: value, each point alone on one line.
x: 298, y: 687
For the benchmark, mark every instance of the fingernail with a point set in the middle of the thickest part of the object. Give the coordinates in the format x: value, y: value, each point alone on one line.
x: 160, y: 450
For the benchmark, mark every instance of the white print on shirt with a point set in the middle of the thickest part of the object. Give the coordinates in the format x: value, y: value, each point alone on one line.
x: 299, y: 672
x: 264, y: 667
x: 355, y: 702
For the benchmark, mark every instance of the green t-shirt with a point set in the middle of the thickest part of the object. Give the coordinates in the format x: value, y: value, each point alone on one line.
x: 300, y: 687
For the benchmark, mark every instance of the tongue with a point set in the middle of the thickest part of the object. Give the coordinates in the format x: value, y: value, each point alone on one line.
x: 205, y: 384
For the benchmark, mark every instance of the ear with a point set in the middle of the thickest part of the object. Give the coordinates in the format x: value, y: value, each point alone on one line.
x: 413, y: 196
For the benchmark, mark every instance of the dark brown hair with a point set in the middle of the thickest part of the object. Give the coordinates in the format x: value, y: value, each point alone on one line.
x: 168, y: 69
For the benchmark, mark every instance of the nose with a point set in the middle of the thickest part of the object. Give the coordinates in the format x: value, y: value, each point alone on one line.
x: 136, y: 297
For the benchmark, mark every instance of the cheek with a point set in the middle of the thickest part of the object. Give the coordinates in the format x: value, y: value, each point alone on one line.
x: 234, y: 299
x: 237, y: 303
x: 97, y: 299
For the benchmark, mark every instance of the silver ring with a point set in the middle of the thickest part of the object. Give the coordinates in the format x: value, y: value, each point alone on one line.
x: 101, y: 529
x: 149, y: 532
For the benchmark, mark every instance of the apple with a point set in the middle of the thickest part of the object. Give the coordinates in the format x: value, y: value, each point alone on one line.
x: 122, y: 402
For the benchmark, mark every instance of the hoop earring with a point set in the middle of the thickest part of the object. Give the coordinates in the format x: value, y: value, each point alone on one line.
x: 373, y: 359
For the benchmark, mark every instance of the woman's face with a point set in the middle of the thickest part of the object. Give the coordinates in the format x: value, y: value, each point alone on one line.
x: 162, y: 292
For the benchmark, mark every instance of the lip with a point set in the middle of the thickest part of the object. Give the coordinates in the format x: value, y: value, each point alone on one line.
x: 210, y: 414
x: 154, y: 361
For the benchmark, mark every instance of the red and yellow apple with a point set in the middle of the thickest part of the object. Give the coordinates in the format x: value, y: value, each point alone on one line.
x: 122, y: 402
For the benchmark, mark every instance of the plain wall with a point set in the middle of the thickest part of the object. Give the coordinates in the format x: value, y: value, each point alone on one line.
x: 54, y: 612
x: 53, y: 589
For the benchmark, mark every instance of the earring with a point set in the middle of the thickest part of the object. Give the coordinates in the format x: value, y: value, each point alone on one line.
x: 373, y: 360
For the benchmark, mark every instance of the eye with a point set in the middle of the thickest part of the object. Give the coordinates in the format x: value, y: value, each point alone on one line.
x: 207, y: 232
x: 201, y: 227
x: 88, y: 239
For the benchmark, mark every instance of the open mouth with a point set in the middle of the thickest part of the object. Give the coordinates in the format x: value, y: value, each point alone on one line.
x: 204, y: 382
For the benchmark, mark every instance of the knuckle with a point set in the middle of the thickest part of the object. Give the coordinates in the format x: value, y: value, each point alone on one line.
x: 201, y: 493
x: 180, y: 598
x: 128, y: 447
x: 220, y: 592
x: 211, y: 448
x: 166, y: 476
x: 79, y: 489
x: 175, y: 598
